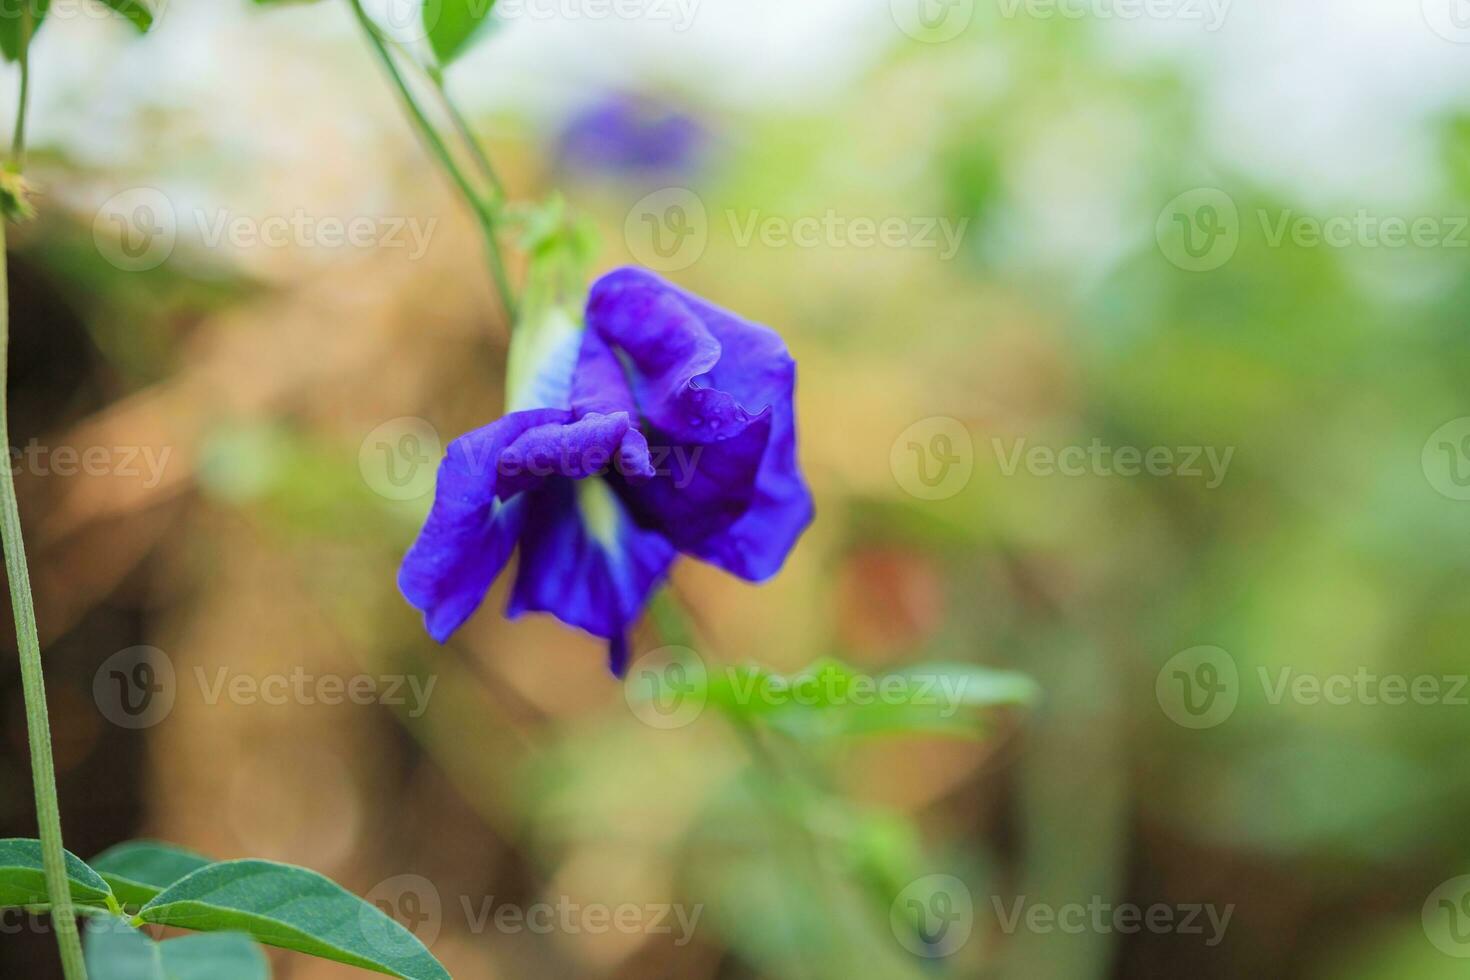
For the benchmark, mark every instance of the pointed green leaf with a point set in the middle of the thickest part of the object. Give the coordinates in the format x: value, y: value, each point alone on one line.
x: 11, y: 20
x: 117, y: 951
x: 23, y: 880
x: 135, y: 11
x: 452, y: 25
x: 293, y: 908
x: 139, y: 870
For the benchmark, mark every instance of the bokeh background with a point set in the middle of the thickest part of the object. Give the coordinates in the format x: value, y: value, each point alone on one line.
x: 1133, y: 191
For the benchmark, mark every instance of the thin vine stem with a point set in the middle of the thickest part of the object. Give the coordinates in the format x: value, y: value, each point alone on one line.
x: 38, y: 722
x: 27, y: 638
x: 18, y: 141
x: 467, y: 134
x: 485, y: 210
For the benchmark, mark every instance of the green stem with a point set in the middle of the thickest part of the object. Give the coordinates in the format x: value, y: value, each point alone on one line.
x: 18, y: 141
x: 485, y: 211
x: 467, y: 134
x: 28, y: 641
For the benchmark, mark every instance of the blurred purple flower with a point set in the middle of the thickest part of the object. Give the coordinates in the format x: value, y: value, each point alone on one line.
x: 630, y: 136
x: 671, y: 430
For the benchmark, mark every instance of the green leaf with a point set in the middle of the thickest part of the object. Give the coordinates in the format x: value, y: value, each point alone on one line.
x: 11, y: 12
x: 218, y: 956
x: 139, y: 870
x: 296, y: 909
x: 23, y: 880
x: 134, y: 10
x: 117, y: 951
x: 452, y: 25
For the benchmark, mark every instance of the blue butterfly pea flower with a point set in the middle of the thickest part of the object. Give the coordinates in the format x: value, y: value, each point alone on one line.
x: 665, y: 427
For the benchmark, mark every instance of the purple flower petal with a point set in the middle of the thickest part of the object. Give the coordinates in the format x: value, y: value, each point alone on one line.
x: 757, y: 369
x: 469, y: 535
x: 600, y: 382
x: 700, y: 491
x: 668, y: 348
x: 710, y: 382
x: 584, y: 560
x: 593, y: 444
